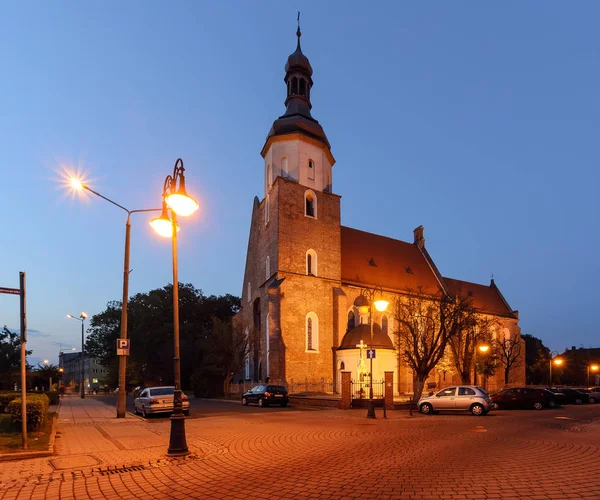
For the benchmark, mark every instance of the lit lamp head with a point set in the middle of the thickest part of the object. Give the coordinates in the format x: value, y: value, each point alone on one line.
x: 46, y: 361
x: 557, y: 361
x: 61, y: 370
x: 381, y: 305
x: 83, y: 315
x: 76, y: 184
x: 484, y: 348
x: 163, y: 225
x: 179, y: 201
x: 594, y: 368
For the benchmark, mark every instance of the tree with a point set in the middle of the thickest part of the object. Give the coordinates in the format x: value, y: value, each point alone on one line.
x: 44, y: 373
x: 509, y: 352
x: 475, y: 329
x: 537, y: 359
x: 10, y: 357
x: 424, y: 325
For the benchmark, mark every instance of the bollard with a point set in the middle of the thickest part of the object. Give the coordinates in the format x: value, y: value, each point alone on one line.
x: 410, y: 407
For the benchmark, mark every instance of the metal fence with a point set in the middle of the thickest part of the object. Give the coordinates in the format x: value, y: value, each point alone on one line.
x: 315, y: 386
x: 361, y: 390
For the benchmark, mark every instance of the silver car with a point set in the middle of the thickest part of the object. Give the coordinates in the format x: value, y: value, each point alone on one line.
x: 158, y: 400
x: 459, y: 398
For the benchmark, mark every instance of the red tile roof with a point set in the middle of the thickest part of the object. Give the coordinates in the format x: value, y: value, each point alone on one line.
x: 485, y: 298
x: 391, y: 259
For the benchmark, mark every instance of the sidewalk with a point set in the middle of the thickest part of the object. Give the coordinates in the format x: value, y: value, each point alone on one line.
x: 74, y: 410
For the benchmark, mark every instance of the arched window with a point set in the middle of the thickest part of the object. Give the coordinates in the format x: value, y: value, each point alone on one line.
x: 310, y: 205
x: 267, y: 344
x: 247, y: 358
x: 267, y: 267
x: 249, y: 292
x: 294, y: 85
x: 312, y: 332
x: 269, y: 175
x: 303, y: 87
x: 284, y: 167
x: 351, y: 320
x: 311, y: 170
x: 311, y: 262
x: 267, y: 209
x: 342, y: 366
x: 384, y: 324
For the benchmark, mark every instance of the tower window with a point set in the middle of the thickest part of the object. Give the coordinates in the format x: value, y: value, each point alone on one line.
x: 249, y: 292
x: 267, y: 344
x: 312, y: 332
x: 284, y: 167
x: 303, y: 87
x: 269, y: 175
x: 267, y: 209
x: 310, y: 209
x: 351, y: 320
x: 294, y: 85
x: 311, y: 169
x: 267, y: 267
x: 311, y: 262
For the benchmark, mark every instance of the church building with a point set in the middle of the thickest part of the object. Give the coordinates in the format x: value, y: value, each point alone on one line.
x: 304, y: 270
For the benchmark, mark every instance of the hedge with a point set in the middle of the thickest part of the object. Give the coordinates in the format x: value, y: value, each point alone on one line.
x: 37, y: 407
x: 53, y: 396
x: 7, y: 397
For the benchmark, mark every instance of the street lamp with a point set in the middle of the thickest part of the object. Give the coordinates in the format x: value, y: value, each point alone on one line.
x: 591, y: 368
x: 554, y: 359
x: 176, y: 201
x: 81, y: 318
x: 78, y: 185
x: 483, y: 348
x: 367, y: 303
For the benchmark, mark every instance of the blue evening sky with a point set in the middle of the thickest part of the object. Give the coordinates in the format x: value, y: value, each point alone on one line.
x: 478, y: 120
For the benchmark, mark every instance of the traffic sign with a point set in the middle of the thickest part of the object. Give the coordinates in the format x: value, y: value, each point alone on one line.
x: 123, y: 346
x: 371, y: 354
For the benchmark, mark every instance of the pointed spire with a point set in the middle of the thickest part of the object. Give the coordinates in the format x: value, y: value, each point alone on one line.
x: 298, y: 32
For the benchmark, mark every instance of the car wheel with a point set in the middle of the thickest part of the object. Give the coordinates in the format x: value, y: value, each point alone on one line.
x: 426, y: 409
x: 592, y: 400
x: 578, y: 401
x: 244, y: 402
x: 496, y: 406
x: 477, y: 410
x: 144, y: 414
x: 261, y: 402
x: 538, y: 405
x: 135, y: 410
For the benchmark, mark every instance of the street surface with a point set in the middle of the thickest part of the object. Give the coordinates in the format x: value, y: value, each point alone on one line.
x: 247, y: 453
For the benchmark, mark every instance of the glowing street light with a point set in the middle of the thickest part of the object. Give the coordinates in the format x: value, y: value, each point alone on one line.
x: 554, y: 360
x: 591, y: 368
x: 483, y: 349
x: 177, y: 201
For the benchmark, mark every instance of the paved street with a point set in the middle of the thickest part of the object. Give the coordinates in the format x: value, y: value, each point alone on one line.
x: 329, y: 454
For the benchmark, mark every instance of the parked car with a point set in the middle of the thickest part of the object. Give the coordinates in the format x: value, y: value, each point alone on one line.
x: 573, y: 396
x: 158, y: 400
x: 522, y: 398
x: 593, y: 396
x: 459, y: 398
x: 264, y: 395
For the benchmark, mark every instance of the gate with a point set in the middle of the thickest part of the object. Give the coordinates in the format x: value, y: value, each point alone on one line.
x: 361, y: 390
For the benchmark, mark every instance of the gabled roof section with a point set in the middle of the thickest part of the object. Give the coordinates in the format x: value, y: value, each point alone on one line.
x: 372, y: 260
x: 485, y: 298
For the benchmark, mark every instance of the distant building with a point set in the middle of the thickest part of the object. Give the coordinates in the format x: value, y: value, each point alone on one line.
x: 579, y: 367
x: 93, y: 371
x: 305, y: 270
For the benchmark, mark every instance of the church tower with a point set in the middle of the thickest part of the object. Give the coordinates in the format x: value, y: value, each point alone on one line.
x: 293, y: 261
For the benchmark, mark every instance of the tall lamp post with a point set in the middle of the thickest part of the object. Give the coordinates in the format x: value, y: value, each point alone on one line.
x: 81, y: 318
x: 367, y: 303
x: 556, y: 360
x: 121, y: 397
x: 177, y: 202
x: 483, y: 348
x: 591, y: 368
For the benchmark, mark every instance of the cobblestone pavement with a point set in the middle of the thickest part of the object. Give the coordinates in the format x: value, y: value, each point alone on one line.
x: 551, y: 454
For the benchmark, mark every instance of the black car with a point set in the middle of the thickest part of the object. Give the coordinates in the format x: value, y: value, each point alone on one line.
x: 264, y: 395
x: 573, y: 396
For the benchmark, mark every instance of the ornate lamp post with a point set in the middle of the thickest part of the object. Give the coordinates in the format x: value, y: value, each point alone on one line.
x: 81, y: 318
x: 176, y: 201
x: 591, y: 368
x: 483, y: 348
x: 366, y: 304
x: 78, y: 185
x: 554, y: 359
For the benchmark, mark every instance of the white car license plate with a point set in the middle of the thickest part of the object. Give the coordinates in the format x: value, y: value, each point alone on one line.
x: 278, y: 395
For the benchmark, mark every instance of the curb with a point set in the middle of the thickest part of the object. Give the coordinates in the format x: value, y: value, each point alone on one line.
x: 24, y: 455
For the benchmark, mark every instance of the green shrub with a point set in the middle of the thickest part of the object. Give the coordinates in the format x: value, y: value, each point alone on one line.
x: 53, y: 396
x: 37, y: 407
x: 7, y: 397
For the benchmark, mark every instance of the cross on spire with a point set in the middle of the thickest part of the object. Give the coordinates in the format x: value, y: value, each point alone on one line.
x: 298, y: 32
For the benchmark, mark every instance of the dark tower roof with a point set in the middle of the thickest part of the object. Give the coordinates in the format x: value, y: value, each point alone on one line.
x: 297, y: 117
x: 363, y: 332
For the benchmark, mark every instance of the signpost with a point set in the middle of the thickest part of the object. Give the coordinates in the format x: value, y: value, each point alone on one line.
x: 21, y: 292
x: 371, y: 354
x: 123, y: 346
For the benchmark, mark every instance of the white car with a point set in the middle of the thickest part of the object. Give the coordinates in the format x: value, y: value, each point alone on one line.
x: 459, y: 398
x: 158, y: 400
